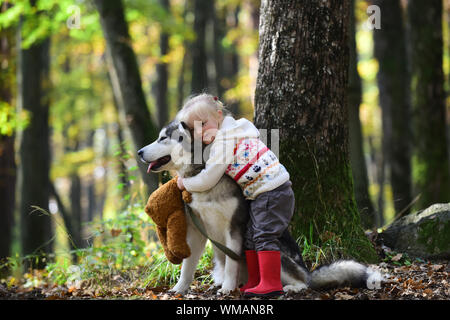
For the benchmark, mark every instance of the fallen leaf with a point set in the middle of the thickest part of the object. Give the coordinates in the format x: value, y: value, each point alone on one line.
x: 427, y: 292
x: 325, y: 296
x: 437, y: 267
x: 344, y: 296
x: 116, y: 232
x: 397, y: 257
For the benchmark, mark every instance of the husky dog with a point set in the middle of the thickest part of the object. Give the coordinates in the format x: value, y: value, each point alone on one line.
x: 224, y: 213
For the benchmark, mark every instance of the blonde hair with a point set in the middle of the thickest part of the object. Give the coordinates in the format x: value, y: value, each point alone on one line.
x: 204, y: 106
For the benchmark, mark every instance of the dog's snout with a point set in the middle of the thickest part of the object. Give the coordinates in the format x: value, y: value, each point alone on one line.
x: 141, y: 152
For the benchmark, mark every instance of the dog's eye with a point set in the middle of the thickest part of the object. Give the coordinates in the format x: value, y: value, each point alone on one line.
x: 162, y: 138
x: 180, y: 139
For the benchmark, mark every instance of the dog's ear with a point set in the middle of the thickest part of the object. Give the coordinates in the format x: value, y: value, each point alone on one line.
x: 184, y: 125
x: 183, y: 129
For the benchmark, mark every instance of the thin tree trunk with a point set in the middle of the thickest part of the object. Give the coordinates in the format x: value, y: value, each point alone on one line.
x: 163, y: 75
x: 91, y: 194
x: 126, y: 80
x: 124, y: 180
x: 103, y: 185
x: 253, y: 59
x: 34, y: 84
x: 7, y: 193
x: 376, y: 171
x: 358, y: 162
x: 76, y: 209
x: 181, y: 80
x: 447, y: 15
x: 226, y: 61
x: 67, y: 219
x: 7, y: 152
x: 219, y: 24
x: 381, y: 178
x: 390, y: 51
x: 447, y: 21
x: 185, y: 65
x: 431, y: 166
x: 302, y: 90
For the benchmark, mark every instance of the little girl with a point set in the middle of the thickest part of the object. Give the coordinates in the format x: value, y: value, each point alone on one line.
x: 236, y: 150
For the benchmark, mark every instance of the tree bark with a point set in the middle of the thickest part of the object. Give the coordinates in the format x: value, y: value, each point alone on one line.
x: 302, y: 90
x: 394, y: 95
x: 358, y: 162
x: 34, y: 85
x: 126, y: 80
x: 430, y: 156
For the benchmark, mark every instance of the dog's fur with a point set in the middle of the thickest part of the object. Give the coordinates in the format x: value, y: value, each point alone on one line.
x: 224, y: 213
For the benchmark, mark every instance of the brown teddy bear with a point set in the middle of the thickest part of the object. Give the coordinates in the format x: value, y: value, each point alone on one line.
x: 165, y: 207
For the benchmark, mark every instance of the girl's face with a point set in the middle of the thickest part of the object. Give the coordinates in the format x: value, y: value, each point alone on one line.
x: 206, y: 127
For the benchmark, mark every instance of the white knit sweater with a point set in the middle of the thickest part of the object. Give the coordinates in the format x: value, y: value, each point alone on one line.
x: 238, y: 152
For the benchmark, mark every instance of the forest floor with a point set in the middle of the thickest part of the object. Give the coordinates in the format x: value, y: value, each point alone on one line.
x: 419, y: 280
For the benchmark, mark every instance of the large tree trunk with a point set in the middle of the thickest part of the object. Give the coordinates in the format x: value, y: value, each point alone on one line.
x: 126, y: 80
x: 202, y: 11
x: 302, y: 90
x: 358, y: 162
x: 394, y: 93
x: 430, y: 157
x: 34, y: 83
x: 7, y: 153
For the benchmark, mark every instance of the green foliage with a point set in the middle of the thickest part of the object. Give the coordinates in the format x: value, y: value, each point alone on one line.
x: 39, y: 21
x: 314, y: 255
x: 123, y: 247
x: 399, y: 259
x: 10, y: 120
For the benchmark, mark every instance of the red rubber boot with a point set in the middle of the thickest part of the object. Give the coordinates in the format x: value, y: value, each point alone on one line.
x: 252, y: 270
x: 270, y: 273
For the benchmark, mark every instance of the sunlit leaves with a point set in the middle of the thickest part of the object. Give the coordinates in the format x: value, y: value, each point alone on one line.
x: 10, y: 120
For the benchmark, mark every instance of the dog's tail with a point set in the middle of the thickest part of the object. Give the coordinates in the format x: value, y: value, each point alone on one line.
x: 345, y: 273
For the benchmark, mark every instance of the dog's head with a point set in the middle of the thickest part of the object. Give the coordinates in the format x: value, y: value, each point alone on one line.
x: 171, y: 151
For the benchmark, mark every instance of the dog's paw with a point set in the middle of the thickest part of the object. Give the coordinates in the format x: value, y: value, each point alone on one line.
x: 180, y: 288
x: 224, y: 291
x: 294, y: 288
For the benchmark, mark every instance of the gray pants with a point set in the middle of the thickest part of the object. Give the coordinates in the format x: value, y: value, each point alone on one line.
x: 270, y: 214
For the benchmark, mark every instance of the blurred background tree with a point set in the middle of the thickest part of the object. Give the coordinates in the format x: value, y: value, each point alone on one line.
x: 431, y: 167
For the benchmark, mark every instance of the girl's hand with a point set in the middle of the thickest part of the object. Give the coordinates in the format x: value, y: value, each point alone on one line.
x: 180, y: 183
